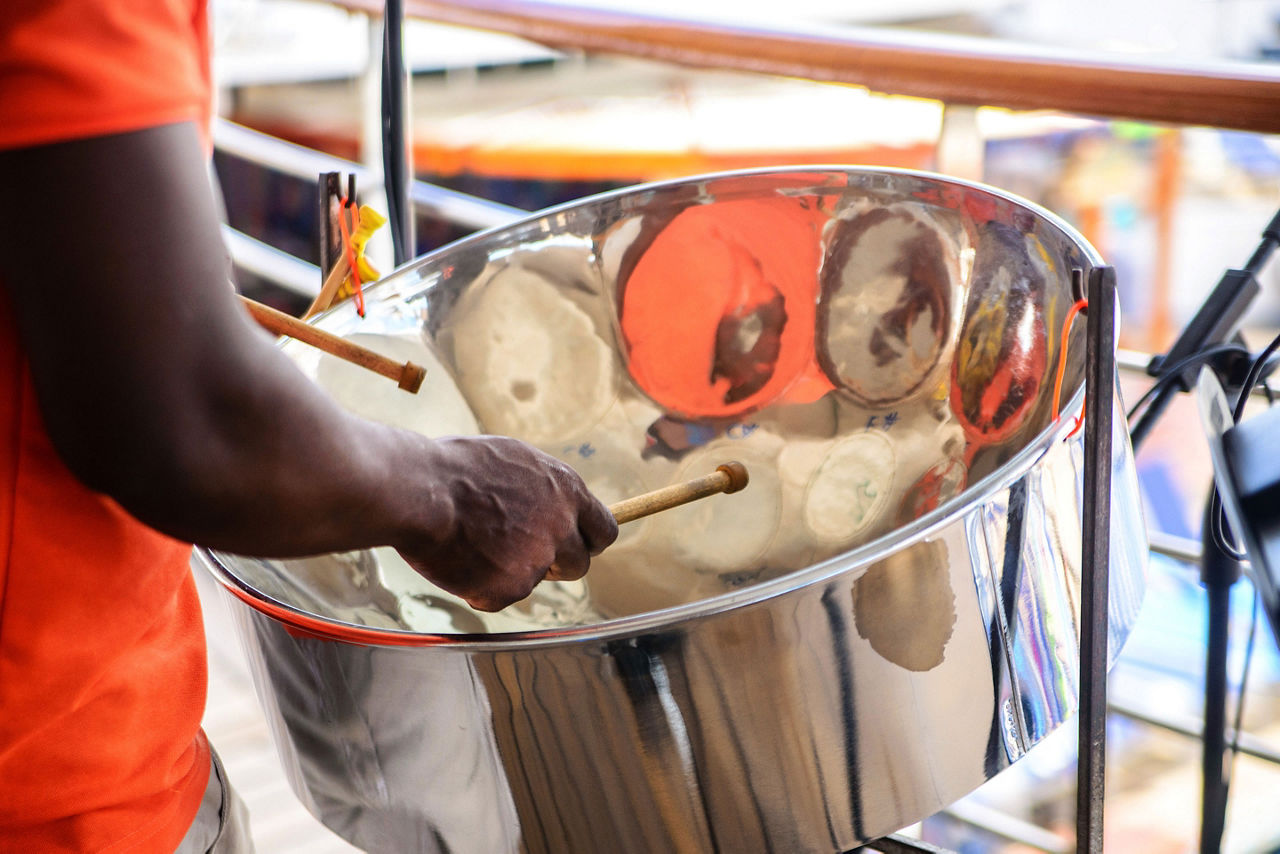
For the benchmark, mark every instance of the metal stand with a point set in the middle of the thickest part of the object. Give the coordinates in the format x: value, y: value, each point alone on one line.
x: 329, y: 241
x: 1213, y: 324
x: 329, y: 207
x: 1218, y: 572
x: 1100, y: 372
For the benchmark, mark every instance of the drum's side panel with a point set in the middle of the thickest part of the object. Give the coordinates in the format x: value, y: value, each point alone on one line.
x: 796, y: 789
x: 1130, y: 549
x: 588, y: 753
x: 1033, y: 533
x: 390, y: 749
x: 924, y: 666
x: 804, y: 724
x: 1043, y: 593
x: 265, y: 687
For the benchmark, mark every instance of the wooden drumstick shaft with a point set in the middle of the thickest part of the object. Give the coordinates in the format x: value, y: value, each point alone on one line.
x: 408, y: 375
x: 727, y: 478
x: 329, y: 289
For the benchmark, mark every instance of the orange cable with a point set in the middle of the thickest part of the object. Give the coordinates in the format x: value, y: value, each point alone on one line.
x: 356, y: 284
x: 358, y: 293
x: 1079, y: 306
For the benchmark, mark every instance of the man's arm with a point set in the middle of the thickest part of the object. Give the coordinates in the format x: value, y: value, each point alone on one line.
x: 158, y: 390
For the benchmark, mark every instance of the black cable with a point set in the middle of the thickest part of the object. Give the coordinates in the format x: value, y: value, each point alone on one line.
x: 1220, y: 529
x: 1212, y: 323
x: 1255, y: 375
x: 1220, y: 525
x: 1175, y: 373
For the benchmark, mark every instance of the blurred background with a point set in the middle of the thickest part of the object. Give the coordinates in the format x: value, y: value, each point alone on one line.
x: 1171, y: 207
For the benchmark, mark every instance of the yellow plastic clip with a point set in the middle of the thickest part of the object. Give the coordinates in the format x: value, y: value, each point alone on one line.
x: 369, y: 222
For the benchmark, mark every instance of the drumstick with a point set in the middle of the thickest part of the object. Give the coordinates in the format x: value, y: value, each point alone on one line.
x: 408, y: 375
x: 329, y: 289
x: 727, y: 478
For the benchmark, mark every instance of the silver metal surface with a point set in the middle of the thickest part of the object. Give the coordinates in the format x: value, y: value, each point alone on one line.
x: 884, y: 619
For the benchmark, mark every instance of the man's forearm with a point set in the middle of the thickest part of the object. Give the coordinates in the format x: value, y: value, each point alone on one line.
x: 154, y: 385
x: 158, y: 391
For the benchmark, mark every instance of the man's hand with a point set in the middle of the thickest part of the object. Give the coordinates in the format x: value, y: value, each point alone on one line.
x: 511, y: 516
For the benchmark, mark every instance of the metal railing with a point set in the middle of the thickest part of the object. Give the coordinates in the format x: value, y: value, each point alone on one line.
x: 308, y: 164
x: 948, y: 68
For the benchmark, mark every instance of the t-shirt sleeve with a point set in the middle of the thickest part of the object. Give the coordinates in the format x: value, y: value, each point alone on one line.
x: 71, y: 69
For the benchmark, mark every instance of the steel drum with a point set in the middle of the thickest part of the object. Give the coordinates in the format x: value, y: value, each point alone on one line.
x: 884, y: 619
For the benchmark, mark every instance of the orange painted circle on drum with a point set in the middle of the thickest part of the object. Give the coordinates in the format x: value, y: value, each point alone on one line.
x: 746, y: 339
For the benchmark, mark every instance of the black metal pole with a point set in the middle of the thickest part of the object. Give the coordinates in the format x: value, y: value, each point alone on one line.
x: 1100, y: 368
x: 395, y: 165
x: 329, y: 242
x: 1218, y: 572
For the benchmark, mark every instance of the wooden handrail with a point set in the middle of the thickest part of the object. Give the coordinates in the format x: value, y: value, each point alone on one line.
x: 953, y: 69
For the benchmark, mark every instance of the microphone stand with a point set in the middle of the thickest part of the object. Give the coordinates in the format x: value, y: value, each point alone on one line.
x: 1213, y: 324
x: 1218, y: 573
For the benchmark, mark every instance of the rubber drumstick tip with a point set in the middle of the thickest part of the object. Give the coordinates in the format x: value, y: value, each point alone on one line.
x: 411, y: 377
x: 738, y: 477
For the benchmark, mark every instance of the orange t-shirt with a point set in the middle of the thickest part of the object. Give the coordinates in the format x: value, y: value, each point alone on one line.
x: 102, y: 659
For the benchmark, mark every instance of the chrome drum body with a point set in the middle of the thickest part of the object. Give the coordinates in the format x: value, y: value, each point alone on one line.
x: 837, y: 660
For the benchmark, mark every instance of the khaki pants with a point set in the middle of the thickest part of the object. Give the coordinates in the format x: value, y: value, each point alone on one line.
x: 222, y: 824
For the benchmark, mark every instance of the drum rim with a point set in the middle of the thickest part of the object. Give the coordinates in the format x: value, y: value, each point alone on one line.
x: 973, y: 496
